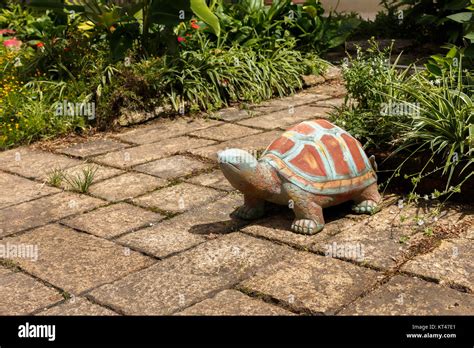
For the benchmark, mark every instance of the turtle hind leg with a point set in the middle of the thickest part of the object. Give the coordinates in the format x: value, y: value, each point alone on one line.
x: 252, y: 209
x: 307, y: 225
x: 309, y: 215
x: 367, y: 201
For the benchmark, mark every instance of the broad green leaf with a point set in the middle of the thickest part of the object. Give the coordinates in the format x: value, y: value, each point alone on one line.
x: 452, y: 52
x: 461, y: 17
x: 434, y: 69
x: 85, y: 26
x: 199, y: 7
x: 470, y: 36
x: 310, y: 10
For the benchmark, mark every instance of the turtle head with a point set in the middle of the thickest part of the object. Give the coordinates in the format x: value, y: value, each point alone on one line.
x: 239, y: 167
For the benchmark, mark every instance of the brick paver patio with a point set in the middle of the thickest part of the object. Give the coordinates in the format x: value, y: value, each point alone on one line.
x: 153, y: 234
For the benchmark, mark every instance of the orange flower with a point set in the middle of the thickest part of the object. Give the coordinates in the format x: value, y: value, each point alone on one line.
x: 14, y: 43
x: 194, y: 25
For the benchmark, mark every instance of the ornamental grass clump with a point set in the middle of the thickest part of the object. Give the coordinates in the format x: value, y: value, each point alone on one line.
x: 442, y: 127
x: 422, y: 124
x: 211, y: 77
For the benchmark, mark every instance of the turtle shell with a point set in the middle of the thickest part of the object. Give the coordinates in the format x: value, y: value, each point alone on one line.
x: 320, y: 158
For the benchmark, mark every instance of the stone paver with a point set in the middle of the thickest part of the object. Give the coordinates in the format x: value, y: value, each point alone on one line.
x: 4, y: 271
x: 126, y: 186
x: 251, y: 143
x: 77, y: 306
x: 133, y: 156
x: 332, y: 91
x: 22, y: 294
x: 231, y: 114
x: 173, y: 167
x: 178, y: 198
x: 333, y: 73
x: 231, y: 302
x: 281, y: 104
x: 16, y: 189
x: 214, y: 179
x: 312, y: 80
x: 329, y: 103
x: 189, y: 277
x: 113, y: 220
x: 382, y: 240
x: 76, y: 261
x: 34, y: 163
x: 186, y: 230
x: 225, y: 132
x: 411, y: 296
x: 379, y: 248
x: 469, y: 232
x: 452, y: 263
x: 285, y: 118
x: 164, y: 129
x: 287, y: 103
x: 277, y: 228
x: 92, y: 147
x: 312, y: 283
x: 43, y: 210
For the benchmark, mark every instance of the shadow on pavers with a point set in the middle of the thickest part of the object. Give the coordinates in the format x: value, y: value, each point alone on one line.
x: 272, y: 210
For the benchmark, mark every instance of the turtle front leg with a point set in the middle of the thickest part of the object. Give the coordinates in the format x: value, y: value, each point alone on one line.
x: 252, y: 209
x: 367, y: 201
x: 309, y: 215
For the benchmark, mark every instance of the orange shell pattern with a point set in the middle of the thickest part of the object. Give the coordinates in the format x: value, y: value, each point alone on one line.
x: 321, y: 158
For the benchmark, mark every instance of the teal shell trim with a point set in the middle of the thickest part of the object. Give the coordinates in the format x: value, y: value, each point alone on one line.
x: 355, y: 180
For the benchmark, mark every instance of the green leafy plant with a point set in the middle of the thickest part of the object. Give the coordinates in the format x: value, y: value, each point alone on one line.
x: 126, y: 56
x: 250, y: 22
x: 211, y: 77
x: 78, y: 182
x: 370, y: 76
x: 427, y: 19
x: 432, y: 138
x: 26, y: 114
x: 81, y: 182
x: 371, y: 82
x: 56, y: 177
x: 31, y: 28
x: 315, y: 31
x: 148, y: 23
x: 442, y: 126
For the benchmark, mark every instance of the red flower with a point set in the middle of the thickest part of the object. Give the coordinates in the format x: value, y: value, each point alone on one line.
x: 13, y: 43
x: 181, y: 39
x: 194, y: 25
x: 40, y: 44
x: 7, y: 31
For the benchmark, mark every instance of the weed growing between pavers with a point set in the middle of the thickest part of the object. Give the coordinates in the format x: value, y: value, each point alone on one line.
x: 78, y: 182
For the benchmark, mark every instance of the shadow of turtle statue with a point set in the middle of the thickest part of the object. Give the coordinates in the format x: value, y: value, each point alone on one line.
x: 313, y: 165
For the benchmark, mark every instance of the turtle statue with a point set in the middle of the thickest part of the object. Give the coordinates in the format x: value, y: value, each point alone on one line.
x: 313, y: 165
